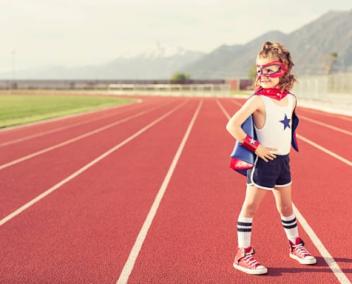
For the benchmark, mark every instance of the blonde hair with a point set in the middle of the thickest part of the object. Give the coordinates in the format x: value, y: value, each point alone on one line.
x: 278, y: 51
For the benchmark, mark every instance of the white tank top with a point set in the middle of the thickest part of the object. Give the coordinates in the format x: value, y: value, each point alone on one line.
x: 277, y: 130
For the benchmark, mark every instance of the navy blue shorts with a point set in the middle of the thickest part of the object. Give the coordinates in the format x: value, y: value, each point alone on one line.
x: 267, y: 175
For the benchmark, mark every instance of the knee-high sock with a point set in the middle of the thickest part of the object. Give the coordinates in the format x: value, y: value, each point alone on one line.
x: 290, y: 226
x: 244, y: 231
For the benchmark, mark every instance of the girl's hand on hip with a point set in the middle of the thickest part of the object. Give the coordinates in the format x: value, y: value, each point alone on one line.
x: 265, y: 153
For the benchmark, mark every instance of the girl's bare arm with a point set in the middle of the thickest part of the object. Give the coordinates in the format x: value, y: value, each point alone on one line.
x: 234, y: 127
x: 234, y: 124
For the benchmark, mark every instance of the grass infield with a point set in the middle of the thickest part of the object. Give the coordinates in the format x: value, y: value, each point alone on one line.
x: 17, y: 109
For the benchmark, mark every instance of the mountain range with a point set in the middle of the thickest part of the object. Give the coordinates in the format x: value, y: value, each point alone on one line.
x: 321, y: 46
x: 311, y: 46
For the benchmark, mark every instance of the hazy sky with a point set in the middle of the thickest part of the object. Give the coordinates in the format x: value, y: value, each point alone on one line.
x: 38, y: 33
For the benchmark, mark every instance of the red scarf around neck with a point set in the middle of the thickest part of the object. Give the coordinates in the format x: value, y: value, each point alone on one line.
x: 273, y: 93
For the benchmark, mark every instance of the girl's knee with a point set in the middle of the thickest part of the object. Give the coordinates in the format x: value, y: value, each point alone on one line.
x: 249, y: 209
x: 285, y: 210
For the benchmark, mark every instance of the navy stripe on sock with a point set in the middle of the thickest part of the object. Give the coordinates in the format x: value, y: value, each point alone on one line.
x: 244, y: 224
x: 290, y: 226
x: 244, y: 230
x: 289, y: 221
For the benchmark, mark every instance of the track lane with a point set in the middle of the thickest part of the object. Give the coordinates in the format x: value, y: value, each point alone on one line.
x: 74, y: 139
x: 17, y: 151
x: 328, y: 125
x: 133, y: 255
x: 344, y: 120
x: 328, y: 138
x: 83, y: 232
x: 323, y: 198
x: 24, y: 181
x: 193, y: 237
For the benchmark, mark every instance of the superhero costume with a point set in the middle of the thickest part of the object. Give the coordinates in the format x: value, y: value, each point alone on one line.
x: 242, y: 158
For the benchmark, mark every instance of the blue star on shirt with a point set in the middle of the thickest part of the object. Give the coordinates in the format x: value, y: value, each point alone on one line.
x: 286, y: 122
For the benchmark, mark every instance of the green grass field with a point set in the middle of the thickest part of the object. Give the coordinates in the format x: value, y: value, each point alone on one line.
x: 17, y: 109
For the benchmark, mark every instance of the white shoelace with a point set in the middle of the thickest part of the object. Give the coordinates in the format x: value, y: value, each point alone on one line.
x: 251, y: 260
x: 301, y: 250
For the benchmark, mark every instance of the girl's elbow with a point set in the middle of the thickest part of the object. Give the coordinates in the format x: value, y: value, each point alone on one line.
x: 232, y: 128
x: 229, y: 126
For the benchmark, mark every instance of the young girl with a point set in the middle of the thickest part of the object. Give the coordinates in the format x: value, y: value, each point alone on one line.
x: 272, y: 111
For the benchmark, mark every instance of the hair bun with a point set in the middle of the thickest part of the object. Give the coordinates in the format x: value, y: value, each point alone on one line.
x: 267, y: 45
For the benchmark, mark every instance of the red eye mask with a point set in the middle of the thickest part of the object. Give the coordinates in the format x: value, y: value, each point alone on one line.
x: 273, y: 69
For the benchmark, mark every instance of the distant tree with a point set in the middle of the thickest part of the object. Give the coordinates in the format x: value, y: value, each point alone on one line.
x: 180, y: 78
x: 252, y: 72
x: 330, y: 62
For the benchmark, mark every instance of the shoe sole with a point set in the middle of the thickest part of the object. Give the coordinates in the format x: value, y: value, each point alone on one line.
x: 250, y: 271
x: 303, y: 261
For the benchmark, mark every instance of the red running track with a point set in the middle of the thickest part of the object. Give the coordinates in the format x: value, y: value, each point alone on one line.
x: 83, y: 231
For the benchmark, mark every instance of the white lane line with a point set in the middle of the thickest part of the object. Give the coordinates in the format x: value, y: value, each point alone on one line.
x: 322, y: 249
x: 223, y: 109
x: 75, y: 139
x: 313, y: 236
x: 326, y: 125
x: 29, y: 137
x: 86, y: 167
x: 8, y: 129
x: 324, y: 113
x: 128, y: 267
x: 327, y: 151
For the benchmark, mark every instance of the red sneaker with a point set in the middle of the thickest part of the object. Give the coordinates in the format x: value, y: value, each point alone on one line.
x: 300, y: 253
x: 245, y: 262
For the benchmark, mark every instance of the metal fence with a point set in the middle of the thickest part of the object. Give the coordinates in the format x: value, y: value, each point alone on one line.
x: 324, y: 86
